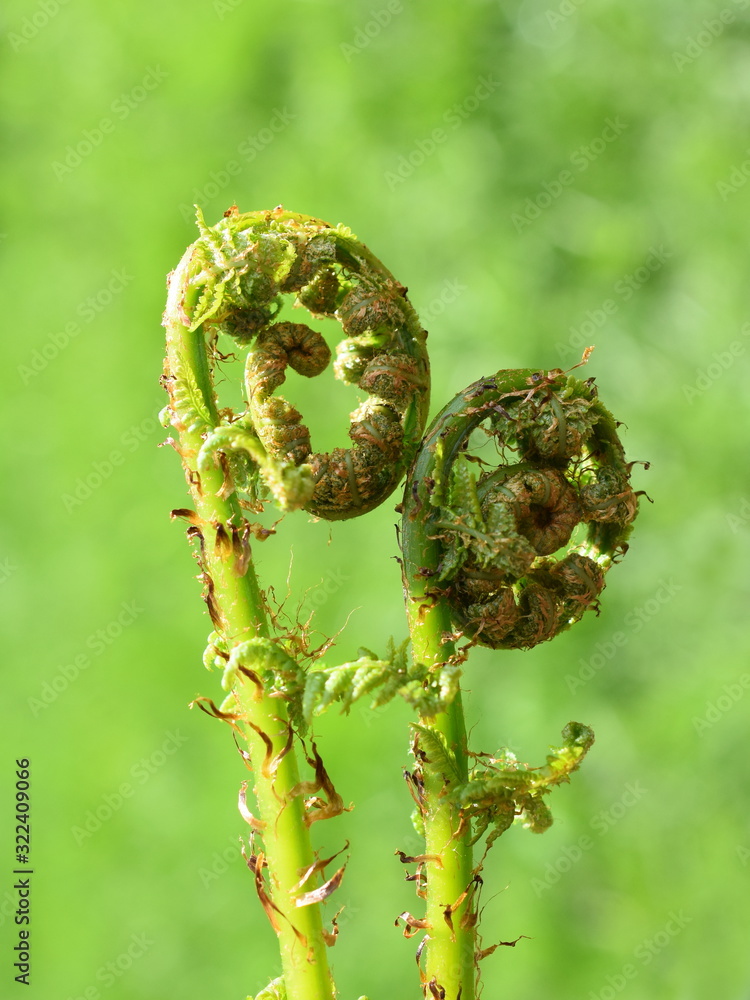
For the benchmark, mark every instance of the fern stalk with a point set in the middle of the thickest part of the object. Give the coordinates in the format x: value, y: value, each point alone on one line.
x: 476, y: 564
x: 238, y: 605
x: 447, y: 960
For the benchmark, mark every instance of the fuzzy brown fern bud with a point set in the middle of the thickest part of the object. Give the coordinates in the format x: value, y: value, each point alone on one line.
x: 233, y: 281
x: 520, y: 547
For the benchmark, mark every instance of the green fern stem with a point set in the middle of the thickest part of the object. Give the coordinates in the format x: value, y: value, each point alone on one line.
x: 238, y: 612
x: 507, y: 557
x: 449, y: 905
x: 447, y: 960
x: 225, y: 300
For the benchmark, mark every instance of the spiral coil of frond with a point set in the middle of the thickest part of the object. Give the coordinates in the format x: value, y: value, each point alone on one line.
x: 233, y: 280
x: 520, y: 548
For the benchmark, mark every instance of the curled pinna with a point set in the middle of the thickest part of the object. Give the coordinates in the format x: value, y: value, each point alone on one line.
x: 233, y: 280
x: 518, y: 503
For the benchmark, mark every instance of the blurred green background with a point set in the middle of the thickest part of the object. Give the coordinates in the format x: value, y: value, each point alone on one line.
x: 587, y: 184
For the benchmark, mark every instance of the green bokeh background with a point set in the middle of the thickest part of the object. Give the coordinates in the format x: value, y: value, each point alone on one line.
x: 520, y: 248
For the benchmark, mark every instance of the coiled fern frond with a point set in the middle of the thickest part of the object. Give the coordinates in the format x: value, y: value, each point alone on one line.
x: 233, y: 280
x: 520, y: 503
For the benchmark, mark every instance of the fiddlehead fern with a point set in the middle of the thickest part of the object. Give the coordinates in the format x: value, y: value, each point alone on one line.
x: 508, y: 555
x: 520, y: 550
x: 233, y: 281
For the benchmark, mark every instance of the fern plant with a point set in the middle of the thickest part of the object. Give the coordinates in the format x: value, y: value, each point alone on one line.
x: 503, y: 553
